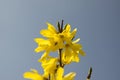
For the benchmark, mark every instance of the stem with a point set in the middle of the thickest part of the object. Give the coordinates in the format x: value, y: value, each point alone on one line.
x: 58, y: 24
x: 89, y: 74
x: 60, y: 50
x: 60, y: 29
x: 61, y: 26
x: 60, y: 57
x: 49, y: 77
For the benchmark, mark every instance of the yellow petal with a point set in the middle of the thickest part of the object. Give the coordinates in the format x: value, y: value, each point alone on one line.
x: 41, y: 41
x: 70, y: 76
x: 76, y: 58
x: 76, y: 47
x: 34, y: 75
x: 60, y: 72
x: 51, y: 28
x: 82, y: 52
x: 44, y: 56
x: 73, y: 33
x: 38, y: 40
x: 46, y: 33
x: 39, y: 49
x: 45, y: 75
x: 49, y: 65
x: 34, y: 70
x: 77, y: 40
x: 68, y: 28
x: 66, y: 59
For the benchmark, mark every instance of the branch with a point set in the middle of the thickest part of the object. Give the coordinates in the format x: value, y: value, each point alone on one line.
x: 89, y: 73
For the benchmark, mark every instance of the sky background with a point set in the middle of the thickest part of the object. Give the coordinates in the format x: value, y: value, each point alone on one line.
x: 98, y: 24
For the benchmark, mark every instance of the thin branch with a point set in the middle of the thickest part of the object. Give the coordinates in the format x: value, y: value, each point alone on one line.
x: 89, y: 73
x: 49, y: 77
x: 59, y: 28
x: 60, y: 57
x: 62, y: 26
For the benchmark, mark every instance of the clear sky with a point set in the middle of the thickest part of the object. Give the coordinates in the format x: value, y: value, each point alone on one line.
x: 98, y: 24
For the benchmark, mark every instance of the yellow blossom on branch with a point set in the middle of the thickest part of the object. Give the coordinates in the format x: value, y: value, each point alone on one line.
x: 69, y: 76
x: 49, y: 65
x: 61, y: 40
x: 71, y: 52
x: 33, y: 75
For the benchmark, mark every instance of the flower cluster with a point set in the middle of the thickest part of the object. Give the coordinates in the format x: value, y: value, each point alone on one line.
x: 61, y: 40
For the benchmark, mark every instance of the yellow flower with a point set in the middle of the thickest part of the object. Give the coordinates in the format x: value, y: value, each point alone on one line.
x: 48, y: 45
x: 53, y: 41
x: 49, y: 65
x: 56, y: 40
x: 43, y: 45
x: 33, y: 75
x: 67, y: 35
x: 56, y: 43
x: 60, y: 72
x: 66, y: 57
x: 53, y: 35
x: 71, y: 52
x: 50, y: 32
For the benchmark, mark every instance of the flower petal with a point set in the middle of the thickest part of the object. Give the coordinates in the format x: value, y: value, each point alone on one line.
x: 60, y: 72
x: 82, y: 52
x: 69, y: 76
x: 34, y: 75
x: 68, y: 28
x: 51, y: 28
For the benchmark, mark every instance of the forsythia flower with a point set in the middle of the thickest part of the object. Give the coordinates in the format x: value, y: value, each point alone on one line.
x: 71, y: 52
x: 50, y: 32
x: 34, y: 75
x: 60, y: 76
x: 49, y: 65
x: 60, y: 40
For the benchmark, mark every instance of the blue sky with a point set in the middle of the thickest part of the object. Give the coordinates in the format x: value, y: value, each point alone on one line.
x: 97, y: 21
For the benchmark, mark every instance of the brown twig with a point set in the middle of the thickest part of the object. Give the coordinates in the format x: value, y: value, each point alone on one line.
x: 58, y: 25
x: 49, y: 77
x: 61, y: 26
x: 60, y: 57
x: 60, y: 29
x: 89, y: 73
